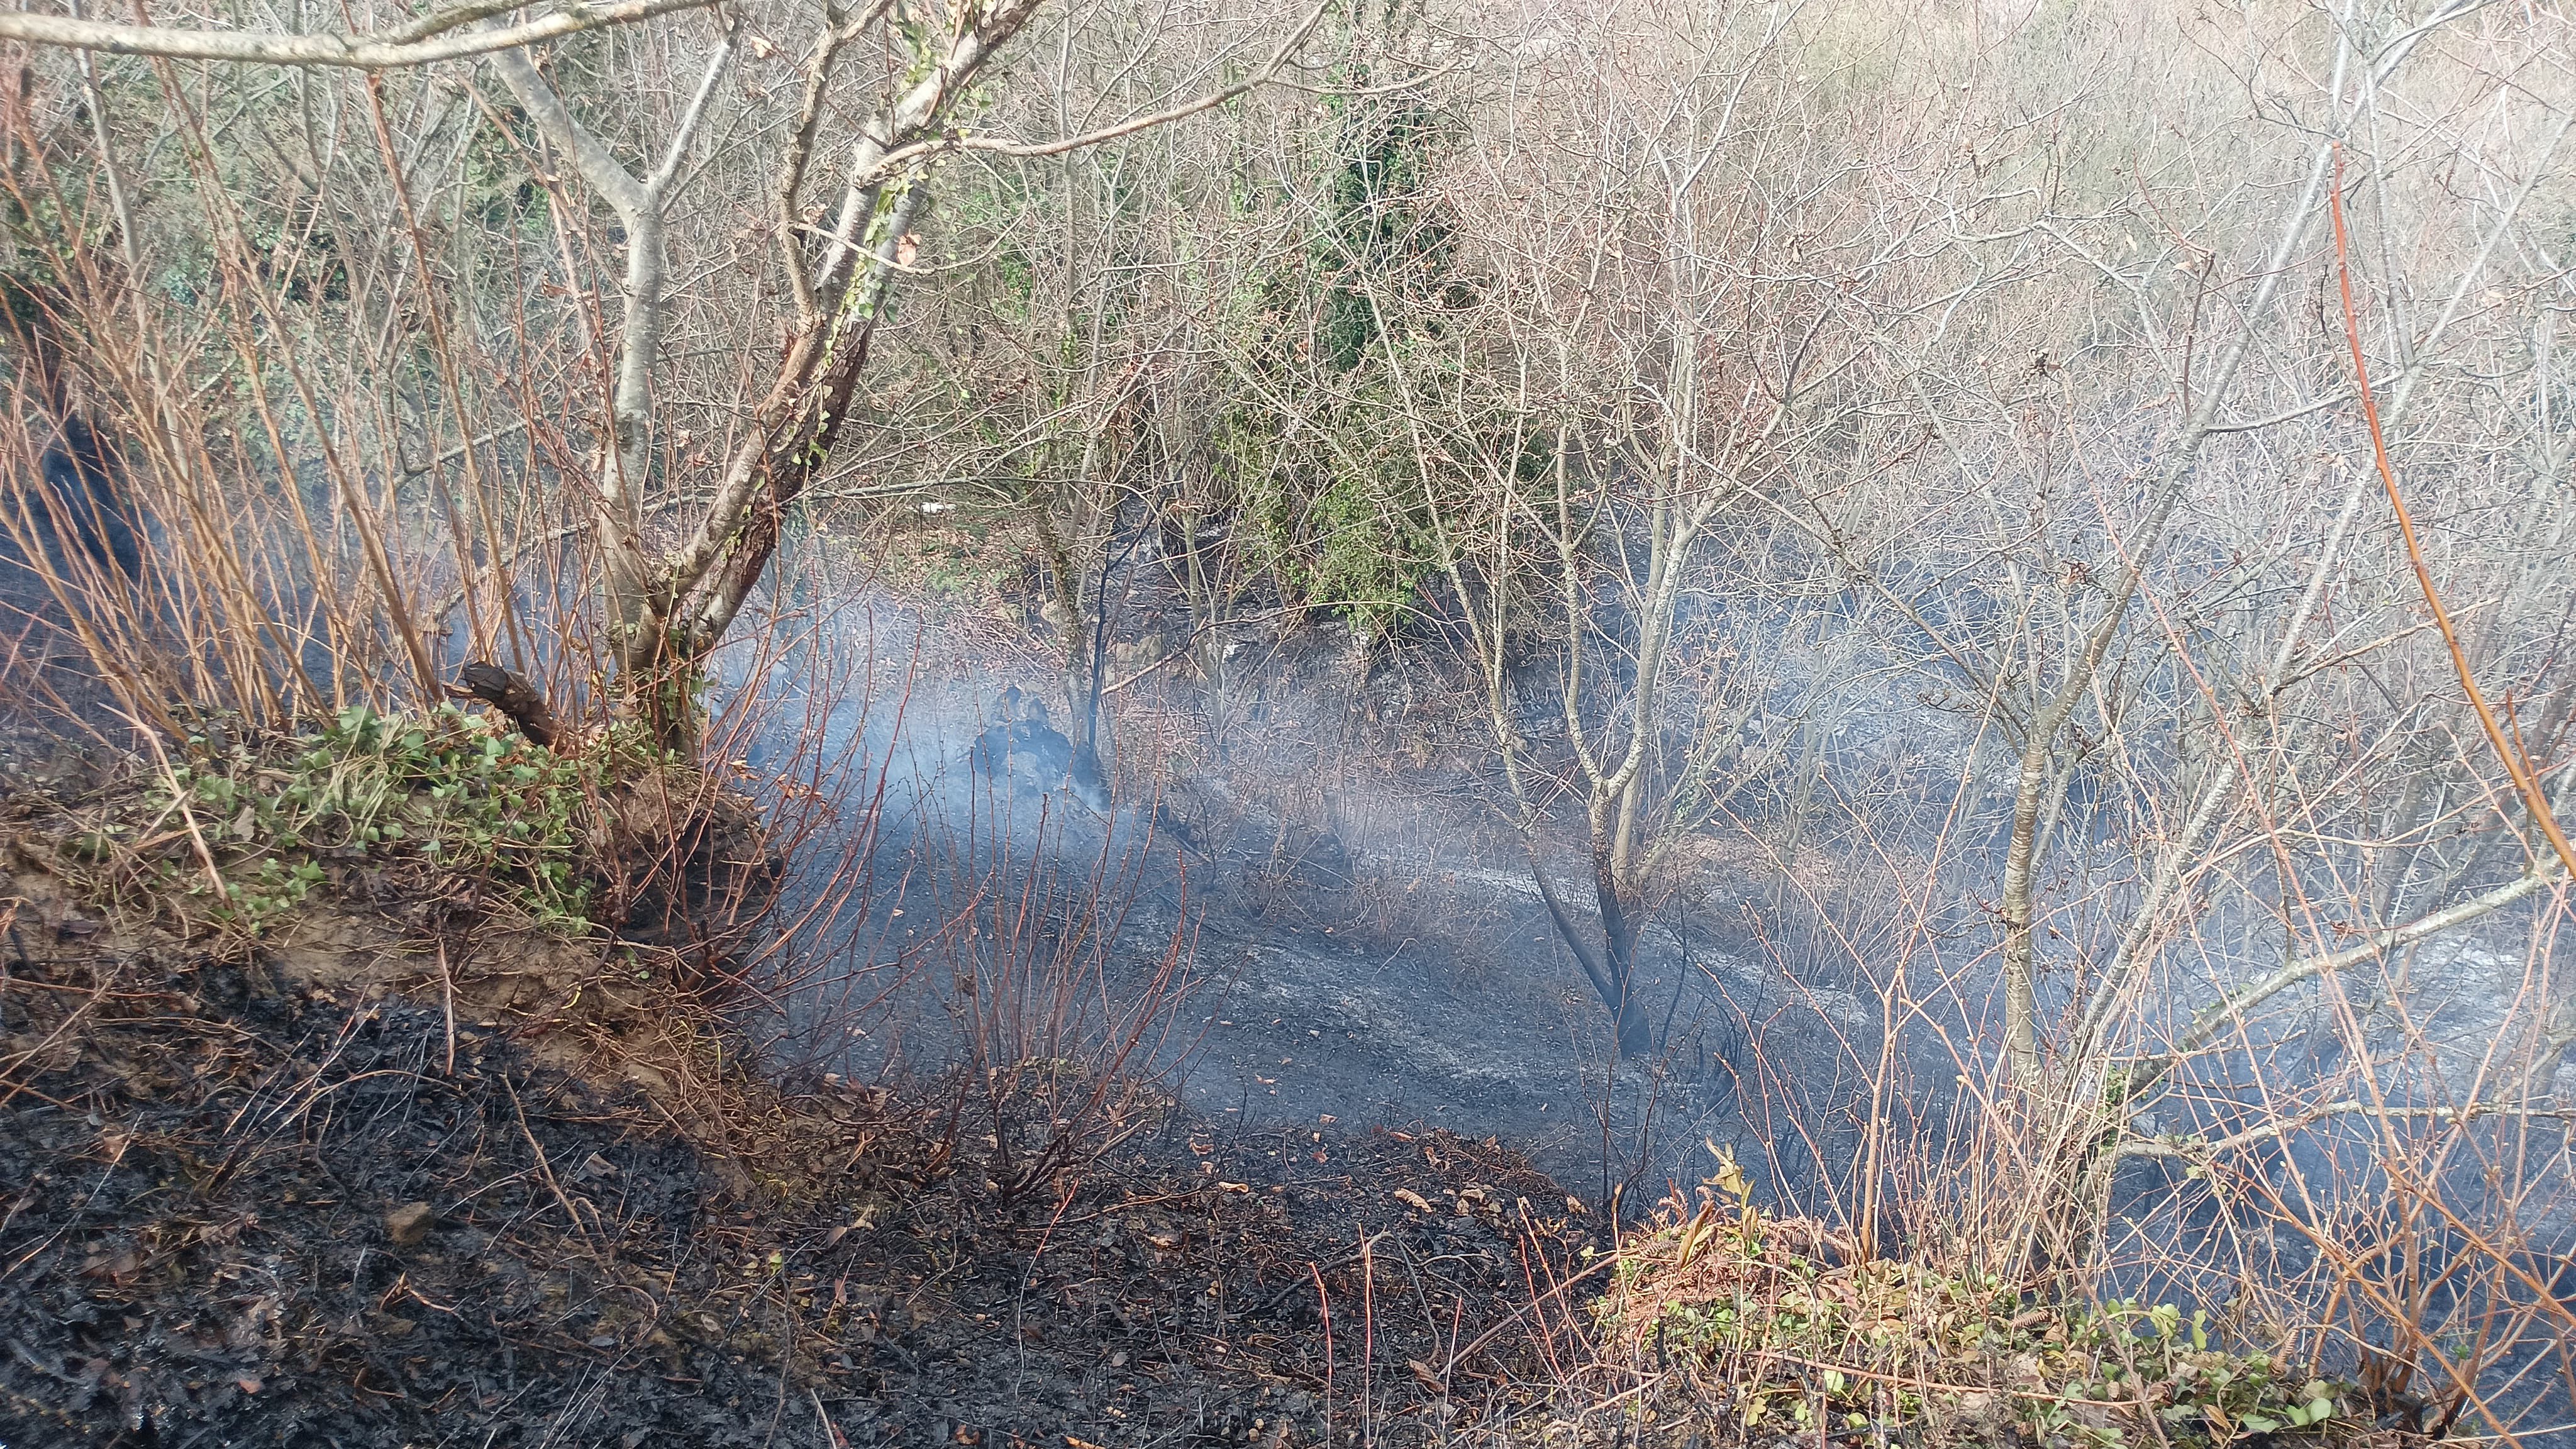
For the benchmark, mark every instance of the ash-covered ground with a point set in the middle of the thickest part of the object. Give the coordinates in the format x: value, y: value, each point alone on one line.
x: 1361, y: 942
x: 402, y: 1173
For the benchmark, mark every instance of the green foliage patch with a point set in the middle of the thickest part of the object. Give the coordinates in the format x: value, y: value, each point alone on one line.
x: 1884, y: 1346
x: 445, y: 790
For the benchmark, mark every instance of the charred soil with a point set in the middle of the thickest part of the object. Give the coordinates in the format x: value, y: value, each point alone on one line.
x: 402, y: 1171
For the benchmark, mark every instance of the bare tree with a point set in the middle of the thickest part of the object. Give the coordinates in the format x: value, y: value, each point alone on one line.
x: 670, y: 594
x: 1679, y: 323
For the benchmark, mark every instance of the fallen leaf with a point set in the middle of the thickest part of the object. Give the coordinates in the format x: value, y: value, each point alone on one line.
x: 409, y: 1223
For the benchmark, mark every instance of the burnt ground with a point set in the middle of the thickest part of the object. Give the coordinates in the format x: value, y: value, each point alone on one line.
x: 404, y: 1174
x: 1367, y: 939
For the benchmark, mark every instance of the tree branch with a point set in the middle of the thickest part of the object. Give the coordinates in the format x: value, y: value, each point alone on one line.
x: 660, y: 180
x: 2196, y: 1150
x: 893, y: 162
x: 2207, y: 1022
x: 590, y: 156
x: 418, y: 43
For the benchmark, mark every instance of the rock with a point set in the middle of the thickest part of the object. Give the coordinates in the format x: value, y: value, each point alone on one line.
x: 410, y: 1223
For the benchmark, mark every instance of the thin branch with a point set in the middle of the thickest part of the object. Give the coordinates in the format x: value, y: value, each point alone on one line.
x: 418, y: 43
x: 2206, y: 1022
x: 660, y: 180
x: 2195, y: 1150
x: 2525, y: 781
x: 2276, y: 419
x: 893, y: 162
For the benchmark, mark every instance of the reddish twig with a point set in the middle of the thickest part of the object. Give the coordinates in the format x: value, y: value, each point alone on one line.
x: 1324, y: 1305
x: 2524, y: 781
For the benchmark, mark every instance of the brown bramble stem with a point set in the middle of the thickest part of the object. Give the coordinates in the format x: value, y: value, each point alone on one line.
x: 2515, y: 764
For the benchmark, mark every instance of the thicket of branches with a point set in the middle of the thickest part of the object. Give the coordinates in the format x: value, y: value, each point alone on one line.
x: 1958, y: 457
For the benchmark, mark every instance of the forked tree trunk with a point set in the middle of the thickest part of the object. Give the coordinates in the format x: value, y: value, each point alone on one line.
x: 1612, y: 969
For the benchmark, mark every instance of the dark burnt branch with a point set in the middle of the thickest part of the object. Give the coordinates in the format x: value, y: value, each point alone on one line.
x: 512, y: 695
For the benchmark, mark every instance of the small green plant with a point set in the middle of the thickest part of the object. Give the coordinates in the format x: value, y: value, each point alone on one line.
x: 443, y: 789
x: 1741, y: 1294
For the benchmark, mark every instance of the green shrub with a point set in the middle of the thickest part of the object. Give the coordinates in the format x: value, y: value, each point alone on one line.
x: 1890, y: 1346
x: 444, y: 791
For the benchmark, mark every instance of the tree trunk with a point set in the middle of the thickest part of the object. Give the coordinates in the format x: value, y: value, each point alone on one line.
x: 1622, y: 921
x: 1612, y: 969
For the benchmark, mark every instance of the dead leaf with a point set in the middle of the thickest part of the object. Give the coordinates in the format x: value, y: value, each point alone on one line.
x: 1696, y: 1235
x: 408, y: 1224
x: 1413, y: 1200
x: 1729, y: 1178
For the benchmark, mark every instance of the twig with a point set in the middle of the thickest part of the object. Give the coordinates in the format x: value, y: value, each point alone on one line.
x: 545, y: 1169
x: 179, y: 797
x: 831, y: 1432
x: 2515, y: 765
x: 447, y: 991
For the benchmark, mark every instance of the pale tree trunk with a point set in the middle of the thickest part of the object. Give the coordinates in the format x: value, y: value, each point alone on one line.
x: 638, y: 612
x: 667, y: 609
